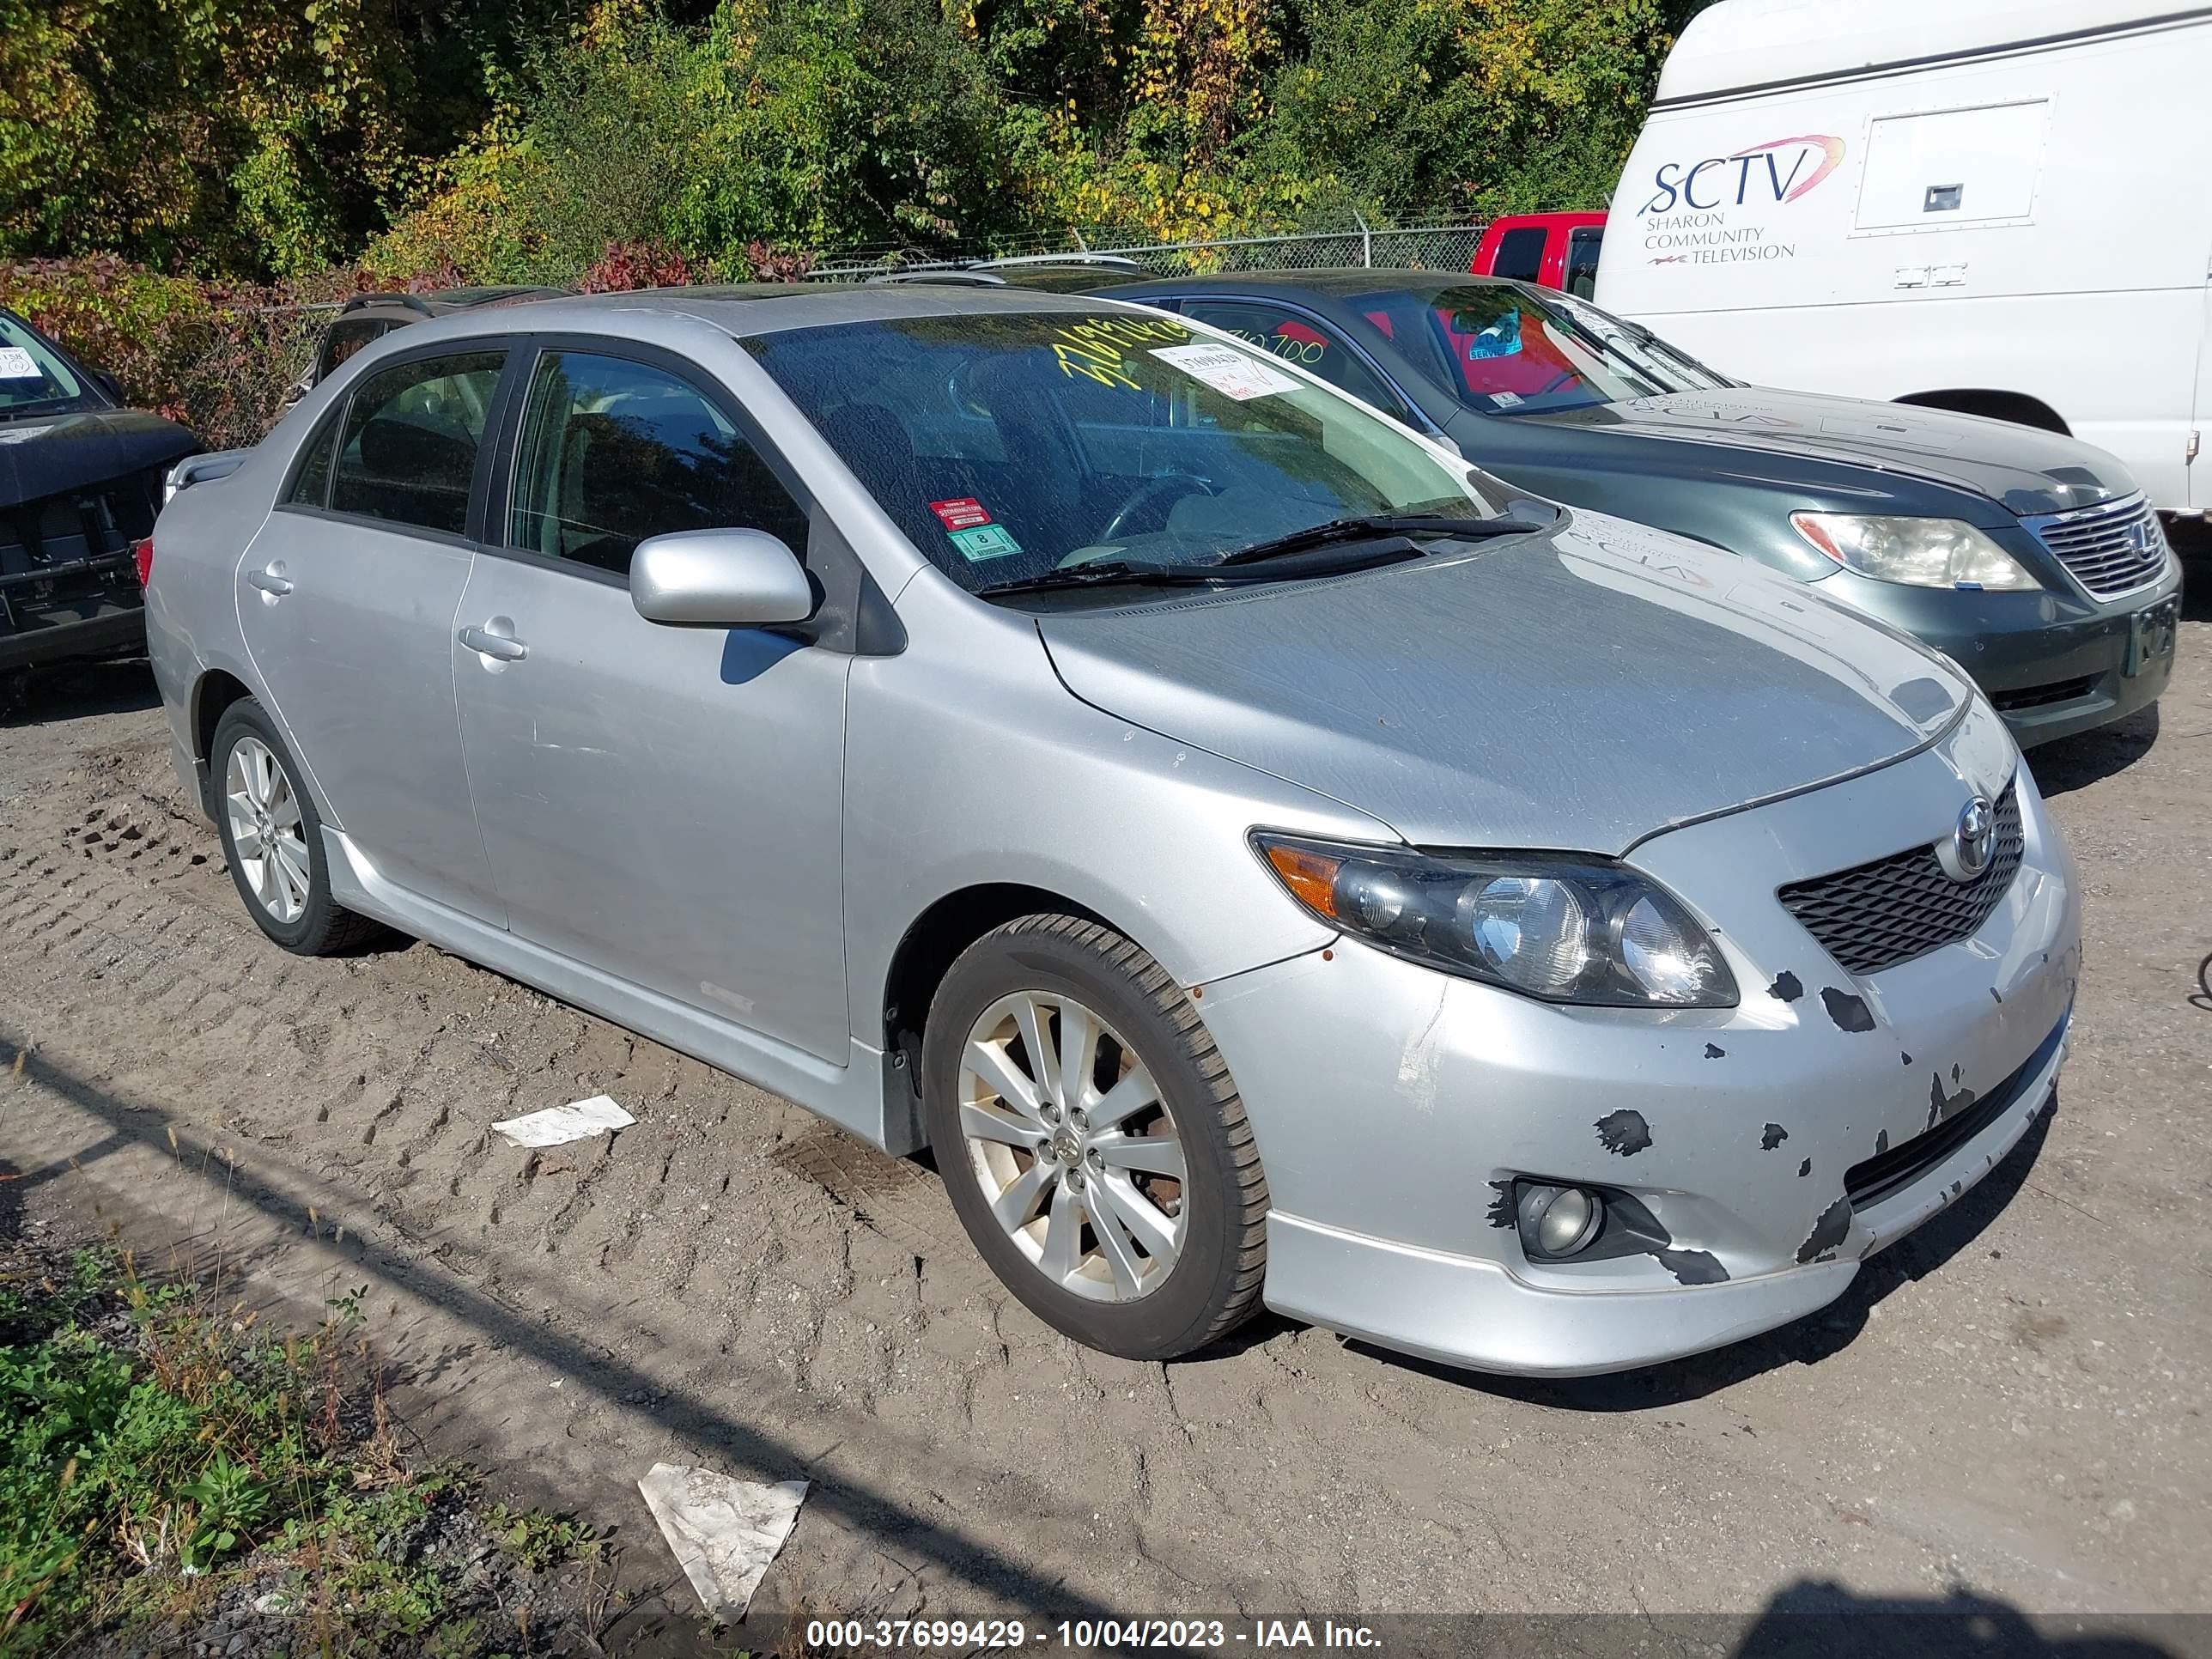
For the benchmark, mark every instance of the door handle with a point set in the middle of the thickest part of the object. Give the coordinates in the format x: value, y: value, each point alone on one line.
x: 497, y: 647
x: 269, y: 581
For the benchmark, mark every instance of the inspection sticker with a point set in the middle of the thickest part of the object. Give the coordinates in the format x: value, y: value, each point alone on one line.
x: 16, y: 364
x: 984, y: 541
x: 962, y: 513
x: 1227, y: 371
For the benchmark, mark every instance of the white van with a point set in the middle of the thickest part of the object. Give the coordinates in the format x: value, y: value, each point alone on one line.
x: 2000, y: 206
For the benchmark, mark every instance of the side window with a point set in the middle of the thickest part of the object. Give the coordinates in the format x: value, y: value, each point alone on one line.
x: 411, y: 439
x: 1520, y: 257
x: 1583, y: 247
x: 343, y: 339
x: 311, y: 485
x: 615, y: 451
x: 1295, y: 340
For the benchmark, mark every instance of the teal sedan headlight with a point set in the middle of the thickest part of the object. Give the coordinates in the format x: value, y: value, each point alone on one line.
x: 1917, y: 552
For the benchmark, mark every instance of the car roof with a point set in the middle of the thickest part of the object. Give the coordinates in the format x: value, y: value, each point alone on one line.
x: 442, y: 302
x: 748, y: 310
x: 1334, y: 283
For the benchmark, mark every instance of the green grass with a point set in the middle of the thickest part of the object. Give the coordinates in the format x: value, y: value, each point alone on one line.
x: 156, y: 1451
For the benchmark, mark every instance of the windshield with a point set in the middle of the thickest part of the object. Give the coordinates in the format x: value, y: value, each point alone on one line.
x: 1502, y: 350
x: 1007, y: 446
x: 35, y: 378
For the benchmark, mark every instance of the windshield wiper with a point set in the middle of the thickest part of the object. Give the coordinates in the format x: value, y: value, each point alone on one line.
x: 1101, y: 572
x: 1380, y: 525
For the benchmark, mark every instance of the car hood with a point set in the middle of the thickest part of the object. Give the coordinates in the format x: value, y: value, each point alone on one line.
x: 1578, y: 689
x: 2027, y: 471
x: 44, y: 454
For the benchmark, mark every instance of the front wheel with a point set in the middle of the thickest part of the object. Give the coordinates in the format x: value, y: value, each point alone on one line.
x: 1092, y: 1141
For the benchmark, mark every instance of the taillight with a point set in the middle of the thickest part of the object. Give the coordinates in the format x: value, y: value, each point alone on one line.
x: 142, y: 555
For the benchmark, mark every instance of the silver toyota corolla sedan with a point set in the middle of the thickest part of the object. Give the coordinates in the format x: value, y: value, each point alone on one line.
x: 1260, y: 858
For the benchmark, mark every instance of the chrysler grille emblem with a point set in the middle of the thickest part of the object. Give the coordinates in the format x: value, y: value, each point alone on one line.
x: 1974, y: 842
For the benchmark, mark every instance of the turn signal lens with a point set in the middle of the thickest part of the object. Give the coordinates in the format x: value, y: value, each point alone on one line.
x: 1311, y: 876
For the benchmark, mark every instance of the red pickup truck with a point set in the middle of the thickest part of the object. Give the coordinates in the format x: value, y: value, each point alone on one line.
x: 1558, y: 249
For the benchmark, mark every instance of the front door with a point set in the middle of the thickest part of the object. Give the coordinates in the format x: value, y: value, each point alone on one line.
x: 346, y: 599
x: 661, y: 803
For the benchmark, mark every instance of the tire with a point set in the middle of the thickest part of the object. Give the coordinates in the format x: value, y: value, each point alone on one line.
x: 289, y: 897
x: 1148, y: 1280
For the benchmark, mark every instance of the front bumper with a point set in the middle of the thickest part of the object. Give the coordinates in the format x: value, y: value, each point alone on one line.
x: 2053, y: 663
x: 1394, y: 1106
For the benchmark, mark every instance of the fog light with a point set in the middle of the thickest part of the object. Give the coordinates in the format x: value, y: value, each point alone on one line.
x: 1557, y: 1221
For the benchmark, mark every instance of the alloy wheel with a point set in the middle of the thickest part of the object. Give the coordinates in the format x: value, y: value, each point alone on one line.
x: 1072, y: 1146
x: 266, y: 834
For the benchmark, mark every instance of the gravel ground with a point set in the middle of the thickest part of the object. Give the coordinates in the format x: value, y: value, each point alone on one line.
x: 2010, y: 1404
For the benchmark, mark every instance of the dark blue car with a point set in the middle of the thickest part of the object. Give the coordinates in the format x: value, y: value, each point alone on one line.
x: 2031, y: 559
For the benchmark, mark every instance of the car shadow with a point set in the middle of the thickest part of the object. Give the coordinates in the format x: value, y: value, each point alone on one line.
x: 1805, y: 1341
x: 2087, y: 758
x: 1815, y: 1619
x: 77, y: 690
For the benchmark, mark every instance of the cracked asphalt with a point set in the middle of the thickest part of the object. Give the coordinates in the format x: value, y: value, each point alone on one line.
x: 2011, y: 1401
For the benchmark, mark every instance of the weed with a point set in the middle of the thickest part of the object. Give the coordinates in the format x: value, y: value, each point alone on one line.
x: 164, y: 1463
x: 537, y: 1540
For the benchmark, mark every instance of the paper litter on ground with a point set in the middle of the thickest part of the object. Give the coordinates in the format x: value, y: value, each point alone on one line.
x: 557, y: 1125
x: 724, y: 1531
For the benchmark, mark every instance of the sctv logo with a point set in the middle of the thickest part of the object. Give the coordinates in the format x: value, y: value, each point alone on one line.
x: 1779, y: 170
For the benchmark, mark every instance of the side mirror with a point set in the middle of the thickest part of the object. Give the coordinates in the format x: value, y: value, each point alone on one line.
x: 719, y: 579
x: 108, y: 384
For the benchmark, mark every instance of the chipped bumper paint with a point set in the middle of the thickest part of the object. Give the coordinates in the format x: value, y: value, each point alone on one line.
x: 1385, y: 1202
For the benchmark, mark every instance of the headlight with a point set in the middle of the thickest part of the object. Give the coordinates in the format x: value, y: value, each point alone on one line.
x: 1561, y: 927
x: 1918, y: 552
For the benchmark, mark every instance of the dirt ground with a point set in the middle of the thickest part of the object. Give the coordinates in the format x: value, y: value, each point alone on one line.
x: 2010, y: 1404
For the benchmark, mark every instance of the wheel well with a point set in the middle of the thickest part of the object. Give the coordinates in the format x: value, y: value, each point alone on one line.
x: 934, y: 942
x: 2014, y: 406
x: 215, y: 692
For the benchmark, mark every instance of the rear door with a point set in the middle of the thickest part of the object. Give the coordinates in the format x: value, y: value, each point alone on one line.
x: 2200, y: 470
x: 662, y: 803
x: 346, y: 599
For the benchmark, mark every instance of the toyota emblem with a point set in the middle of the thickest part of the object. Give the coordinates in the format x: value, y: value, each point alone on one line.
x: 1974, y: 842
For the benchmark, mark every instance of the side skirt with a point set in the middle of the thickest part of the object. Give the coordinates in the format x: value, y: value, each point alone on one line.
x: 854, y: 1096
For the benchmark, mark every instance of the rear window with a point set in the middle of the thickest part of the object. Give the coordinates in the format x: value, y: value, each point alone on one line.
x: 408, y: 453
x: 1520, y: 255
x: 1008, y: 444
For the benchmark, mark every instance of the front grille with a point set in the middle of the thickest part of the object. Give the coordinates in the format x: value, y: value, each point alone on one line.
x: 2110, y: 550
x: 1875, y: 916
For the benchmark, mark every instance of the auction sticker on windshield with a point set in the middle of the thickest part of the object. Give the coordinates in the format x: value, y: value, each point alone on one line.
x: 984, y: 541
x: 1227, y: 371
x: 963, y: 513
x: 16, y: 364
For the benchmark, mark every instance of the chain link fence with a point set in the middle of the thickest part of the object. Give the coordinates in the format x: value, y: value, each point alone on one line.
x: 1444, y: 246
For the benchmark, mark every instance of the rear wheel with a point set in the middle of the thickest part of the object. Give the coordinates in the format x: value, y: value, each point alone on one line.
x: 1091, y: 1139
x: 272, y: 838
